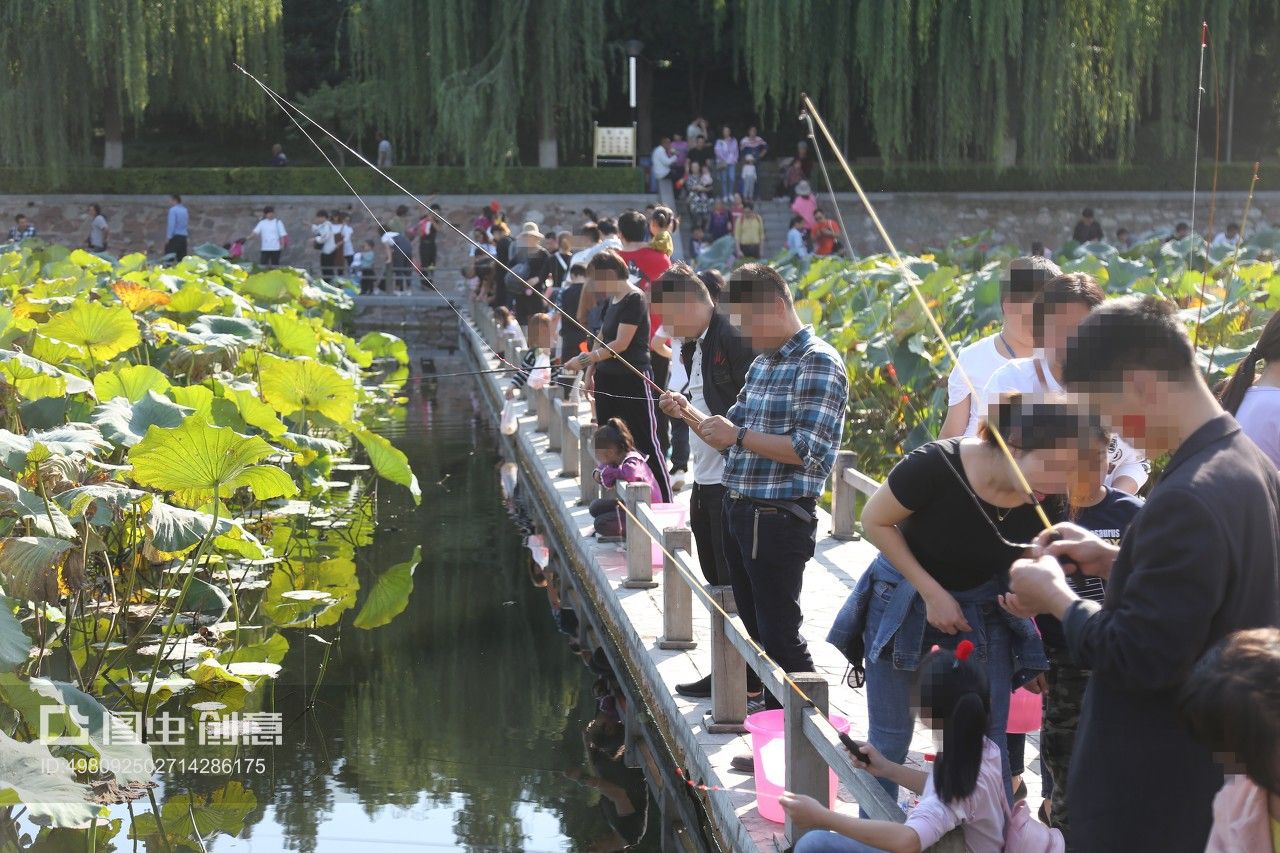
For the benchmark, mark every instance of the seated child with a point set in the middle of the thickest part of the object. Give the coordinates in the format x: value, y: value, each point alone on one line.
x: 618, y: 462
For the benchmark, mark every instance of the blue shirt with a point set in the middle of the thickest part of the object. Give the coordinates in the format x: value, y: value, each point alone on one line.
x: 799, y: 391
x: 177, y: 222
x: 795, y: 243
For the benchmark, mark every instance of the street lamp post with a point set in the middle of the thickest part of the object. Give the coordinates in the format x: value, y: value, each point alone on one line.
x: 634, y: 48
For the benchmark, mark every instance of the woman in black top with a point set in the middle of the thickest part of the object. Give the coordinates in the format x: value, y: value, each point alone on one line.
x: 619, y: 392
x: 948, y: 521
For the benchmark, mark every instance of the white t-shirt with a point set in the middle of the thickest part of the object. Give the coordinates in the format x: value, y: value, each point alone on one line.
x: 325, y: 231
x: 348, y: 248
x: 384, y: 153
x: 979, y: 360
x: 270, y: 232
x: 708, y: 463
x: 1259, y: 417
x: 1020, y: 374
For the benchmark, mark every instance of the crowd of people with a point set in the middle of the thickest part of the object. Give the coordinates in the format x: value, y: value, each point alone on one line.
x: 1122, y: 614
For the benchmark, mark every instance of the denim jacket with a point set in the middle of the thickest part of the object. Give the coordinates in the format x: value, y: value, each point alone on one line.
x: 904, y: 622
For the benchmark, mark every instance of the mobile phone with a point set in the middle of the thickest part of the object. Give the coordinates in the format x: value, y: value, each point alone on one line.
x: 854, y: 747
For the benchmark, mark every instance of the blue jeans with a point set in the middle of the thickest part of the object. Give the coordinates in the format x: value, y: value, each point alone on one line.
x: 892, y: 694
x: 728, y: 180
x: 826, y: 841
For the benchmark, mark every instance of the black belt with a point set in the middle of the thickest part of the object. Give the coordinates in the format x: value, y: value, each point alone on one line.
x: 786, y: 506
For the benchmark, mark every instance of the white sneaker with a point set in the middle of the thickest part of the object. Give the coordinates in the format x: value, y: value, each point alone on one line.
x: 678, y: 480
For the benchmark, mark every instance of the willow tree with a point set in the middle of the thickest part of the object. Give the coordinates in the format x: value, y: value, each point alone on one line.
x: 973, y: 79
x: 70, y: 67
x: 455, y: 81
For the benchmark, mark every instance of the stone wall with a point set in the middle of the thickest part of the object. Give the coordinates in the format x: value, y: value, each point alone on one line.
x: 913, y: 220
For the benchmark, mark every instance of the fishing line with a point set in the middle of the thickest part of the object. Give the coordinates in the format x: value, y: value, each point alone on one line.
x: 1235, y: 253
x: 1213, y: 195
x: 910, y: 279
x: 291, y: 109
x: 822, y: 164
x: 1195, y: 169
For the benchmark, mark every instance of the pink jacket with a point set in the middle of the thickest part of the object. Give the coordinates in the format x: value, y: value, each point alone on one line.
x: 1241, y: 820
x: 632, y: 469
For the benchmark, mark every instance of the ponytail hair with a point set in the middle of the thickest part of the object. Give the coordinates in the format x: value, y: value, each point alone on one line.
x: 1268, y: 348
x: 955, y: 696
x: 615, y: 435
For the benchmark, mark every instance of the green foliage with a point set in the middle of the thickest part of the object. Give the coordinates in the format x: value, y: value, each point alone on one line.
x: 898, y: 369
x: 300, y: 180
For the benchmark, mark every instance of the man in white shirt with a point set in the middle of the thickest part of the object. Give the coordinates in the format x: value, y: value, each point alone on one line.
x: 1064, y: 304
x: 1228, y: 239
x: 1019, y: 290
x: 662, y: 160
x: 271, y: 236
x: 323, y: 238
x: 384, y: 150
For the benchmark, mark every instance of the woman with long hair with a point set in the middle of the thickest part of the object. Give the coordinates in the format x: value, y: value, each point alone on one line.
x: 619, y: 392
x: 1255, y: 399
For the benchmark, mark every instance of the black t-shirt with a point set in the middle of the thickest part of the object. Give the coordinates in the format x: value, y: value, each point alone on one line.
x: 570, y: 335
x: 633, y: 310
x: 1107, y: 519
x: 701, y: 156
x: 946, y: 530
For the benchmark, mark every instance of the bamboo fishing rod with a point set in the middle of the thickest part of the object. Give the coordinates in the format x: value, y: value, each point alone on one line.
x: 910, y: 278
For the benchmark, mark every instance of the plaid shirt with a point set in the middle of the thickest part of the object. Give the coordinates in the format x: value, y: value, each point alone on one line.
x: 799, y: 391
x: 16, y: 234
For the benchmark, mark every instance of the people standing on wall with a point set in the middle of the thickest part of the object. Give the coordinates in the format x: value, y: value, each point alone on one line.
x: 531, y: 265
x: 324, y: 241
x: 99, y: 231
x: 780, y: 437
x: 1200, y: 560
x: 272, y: 237
x: 619, y: 392
x: 176, y: 230
x: 426, y: 233
x: 345, y: 243
x: 398, y: 254
x: 749, y: 232
x: 385, y: 160
x: 726, y: 151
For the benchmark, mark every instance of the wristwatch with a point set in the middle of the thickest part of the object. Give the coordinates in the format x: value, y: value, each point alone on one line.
x: 742, y: 432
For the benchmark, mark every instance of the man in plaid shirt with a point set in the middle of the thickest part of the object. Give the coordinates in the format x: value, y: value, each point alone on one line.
x: 780, y: 441
x: 22, y: 230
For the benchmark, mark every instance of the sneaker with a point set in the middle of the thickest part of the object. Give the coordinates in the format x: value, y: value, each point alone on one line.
x: 756, y: 705
x: 743, y: 764
x: 700, y: 689
x: 678, y: 480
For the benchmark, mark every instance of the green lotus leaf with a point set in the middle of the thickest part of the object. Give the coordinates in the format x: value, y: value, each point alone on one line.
x: 36, y: 379
x: 174, y: 531
x: 30, y: 565
x: 65, y: 440
x: 132, y: 382
x: 125, y: 423
x: 48, y: 350
x: 14, y: 450
x: 210, y: 251
x: 106, y: 331
x: 221, y: 813
x: 213, y: 330
x: 15, y: 648
x: 317, y: 590
x: 109, y: 736
x: 294, y: 334
x: 255, y: 412
x: 192, y: 298
x: 389, y: 461
x: 382, y: 345
x: 297, y: 442
x: 198, y: 462
x: 390, y: 594
x: 197, y: 398
x: 99, y: 502
x: 31, y: 776
x: 305, y: 385
x: 275, y: 285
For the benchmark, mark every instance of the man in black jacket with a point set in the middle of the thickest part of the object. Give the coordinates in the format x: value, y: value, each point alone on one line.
x: 716, y: 359
x: 1200, y: 560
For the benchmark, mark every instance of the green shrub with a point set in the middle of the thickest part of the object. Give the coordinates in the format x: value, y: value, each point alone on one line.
x: 424, y: 180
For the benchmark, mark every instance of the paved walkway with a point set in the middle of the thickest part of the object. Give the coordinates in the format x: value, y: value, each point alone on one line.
x: 829, y: 579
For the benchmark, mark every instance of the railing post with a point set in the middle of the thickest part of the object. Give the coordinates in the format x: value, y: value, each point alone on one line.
x: 677, y: 598
x: 569, y: 455
x: 728, y: 670
x: 844, y: 499
x: 588, y: 488
x: 807, y: 772
x: 542, y: 408
x: 555, y: 429
x: 639, y: 548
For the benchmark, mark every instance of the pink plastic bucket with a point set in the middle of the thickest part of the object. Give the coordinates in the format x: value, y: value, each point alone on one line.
x: 667, y: 515
x: 1025, y: 711
x: 769, y: 748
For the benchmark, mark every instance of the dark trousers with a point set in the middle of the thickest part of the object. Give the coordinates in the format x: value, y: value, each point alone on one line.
x: 661, y: 371
x: 607, y: 519
x: 706, y: 520
x: 177, y: 246
x: 427, y: 254
x: 328, y: 264
x: 679, y: 445
x: 269, y: 259
x: 772, y: 547
x: 623, y: 395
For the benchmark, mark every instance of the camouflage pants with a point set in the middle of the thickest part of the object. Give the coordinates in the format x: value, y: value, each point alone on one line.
x: 1062, y: 703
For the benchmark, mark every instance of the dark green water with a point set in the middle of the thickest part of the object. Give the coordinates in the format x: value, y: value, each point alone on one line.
x: 460, y: 724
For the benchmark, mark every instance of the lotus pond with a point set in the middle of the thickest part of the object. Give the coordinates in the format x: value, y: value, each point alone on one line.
x: 229, y: 619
